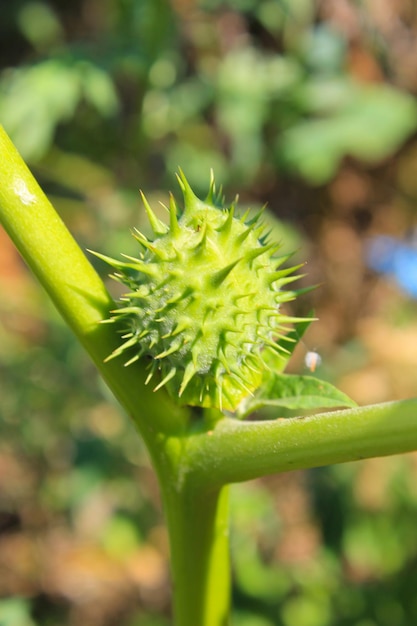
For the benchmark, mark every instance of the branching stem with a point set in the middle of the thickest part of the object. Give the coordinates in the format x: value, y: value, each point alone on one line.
x: 194, y: 466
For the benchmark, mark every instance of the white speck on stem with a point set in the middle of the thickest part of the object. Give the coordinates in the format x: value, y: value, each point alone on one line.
x: 21, y: 190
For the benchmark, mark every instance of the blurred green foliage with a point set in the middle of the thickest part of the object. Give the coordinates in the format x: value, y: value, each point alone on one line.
x: 302, y: 104
x: 190, y: 88
x: 15, y: 612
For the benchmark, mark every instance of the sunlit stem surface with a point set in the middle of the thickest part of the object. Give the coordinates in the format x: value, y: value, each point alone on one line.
x: 199, y: 529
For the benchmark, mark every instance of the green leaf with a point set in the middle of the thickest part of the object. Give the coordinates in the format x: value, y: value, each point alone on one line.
x: 295, y: 392
x: 366, y: 122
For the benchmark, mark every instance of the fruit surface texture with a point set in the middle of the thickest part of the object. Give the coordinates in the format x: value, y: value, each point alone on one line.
x: 203, y: 301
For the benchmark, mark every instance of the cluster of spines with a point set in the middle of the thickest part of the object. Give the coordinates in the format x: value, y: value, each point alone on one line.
x: 220, y: 380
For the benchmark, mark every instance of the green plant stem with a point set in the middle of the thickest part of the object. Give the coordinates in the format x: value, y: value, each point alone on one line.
x: 235, y: 451
x: 198, y: 526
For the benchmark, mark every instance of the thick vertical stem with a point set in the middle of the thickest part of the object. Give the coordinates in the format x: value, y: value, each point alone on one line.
x: 200, y: 565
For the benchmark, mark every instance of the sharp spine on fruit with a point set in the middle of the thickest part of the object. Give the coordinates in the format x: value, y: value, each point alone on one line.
x: 174, y: 348
x: 173, y: 218
x: 166, y: 379
x: 158, y: 227
x: 251, y: 255
x: 220, y: 276
x: 210, y: 199
x: 225, y: 228
x: 255, y: 219
x: 189, y: 373
x: 153, y: 368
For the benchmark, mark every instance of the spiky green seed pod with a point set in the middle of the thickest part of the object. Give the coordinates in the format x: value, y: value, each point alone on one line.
x: 203, y: 302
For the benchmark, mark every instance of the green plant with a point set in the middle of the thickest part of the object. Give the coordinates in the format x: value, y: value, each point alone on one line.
x: 196, y: 453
